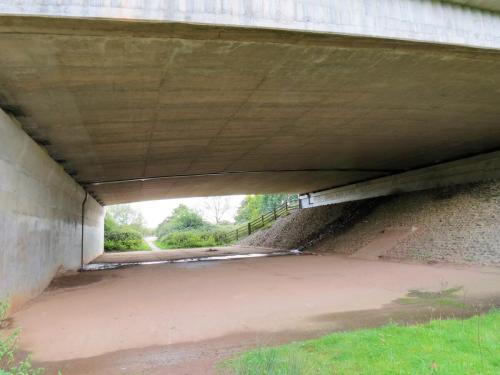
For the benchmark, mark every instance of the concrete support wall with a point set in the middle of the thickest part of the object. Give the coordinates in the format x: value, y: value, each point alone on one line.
x: 40, y: 217
x: 420, y: 20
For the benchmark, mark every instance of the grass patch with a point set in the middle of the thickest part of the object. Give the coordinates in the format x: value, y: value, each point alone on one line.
x: 445, y: 297
x: 448, y: 347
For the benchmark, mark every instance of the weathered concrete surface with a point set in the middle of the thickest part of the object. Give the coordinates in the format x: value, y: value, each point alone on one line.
x: 422, y: 20
x: 40, y: 217
x: 123, y: 100
x: 483, y: 167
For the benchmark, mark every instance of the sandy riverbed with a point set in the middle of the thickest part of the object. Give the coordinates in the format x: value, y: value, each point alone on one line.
x: 183, y: 317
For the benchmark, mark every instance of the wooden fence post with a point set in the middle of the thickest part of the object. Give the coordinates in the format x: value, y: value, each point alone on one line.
x: 236, y: 234
x: 274, y: 211
x: 249, y: 228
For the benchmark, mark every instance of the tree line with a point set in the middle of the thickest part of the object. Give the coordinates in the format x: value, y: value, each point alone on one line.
x: 185, y: 227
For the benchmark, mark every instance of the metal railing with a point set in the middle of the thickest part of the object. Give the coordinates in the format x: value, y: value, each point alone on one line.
x: 262, y: 222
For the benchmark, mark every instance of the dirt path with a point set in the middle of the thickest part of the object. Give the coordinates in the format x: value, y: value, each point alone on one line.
x: 181, y: 318
x: 151, y: 243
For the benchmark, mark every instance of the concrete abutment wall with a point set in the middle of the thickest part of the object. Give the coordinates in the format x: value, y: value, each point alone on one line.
x: 40, y: 217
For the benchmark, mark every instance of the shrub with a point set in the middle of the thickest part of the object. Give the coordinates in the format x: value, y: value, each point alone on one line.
x: 9, y: 364
x: 123, y: 239
x: 192, y: 238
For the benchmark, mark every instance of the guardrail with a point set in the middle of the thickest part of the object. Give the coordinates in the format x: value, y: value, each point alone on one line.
x: 261, y: 222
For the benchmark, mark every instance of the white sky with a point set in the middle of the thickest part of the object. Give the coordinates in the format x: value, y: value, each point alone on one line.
x: 155, y: 211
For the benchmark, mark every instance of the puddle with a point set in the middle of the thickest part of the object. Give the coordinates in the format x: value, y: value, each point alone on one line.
x: 111, y: 266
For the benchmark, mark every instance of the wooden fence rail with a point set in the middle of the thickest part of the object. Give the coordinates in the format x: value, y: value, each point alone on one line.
x: 261, y: 222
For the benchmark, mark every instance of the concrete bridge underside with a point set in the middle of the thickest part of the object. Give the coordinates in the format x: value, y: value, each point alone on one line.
x: 137, y: 100
x: 215, y: 110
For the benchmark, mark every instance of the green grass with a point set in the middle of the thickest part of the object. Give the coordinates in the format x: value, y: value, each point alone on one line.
x: 449, y: 347
x: 445, y: 297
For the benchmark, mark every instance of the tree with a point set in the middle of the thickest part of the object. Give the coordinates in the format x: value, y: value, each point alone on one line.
x: 124, y: 214
x: 109, y: 223
x: 254, y: 206
x: 182, y: 218
x: 250, y: 209
x: 273, y: 201
x: 217, y: 207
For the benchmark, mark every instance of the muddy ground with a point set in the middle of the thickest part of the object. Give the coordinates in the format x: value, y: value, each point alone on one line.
x: 183, y: 318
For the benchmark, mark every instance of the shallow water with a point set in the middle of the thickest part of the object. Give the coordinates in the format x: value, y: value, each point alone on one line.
x: 110, y: 266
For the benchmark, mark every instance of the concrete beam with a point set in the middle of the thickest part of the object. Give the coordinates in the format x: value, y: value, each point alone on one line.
x: 460, y: 22
x: 483, y: 167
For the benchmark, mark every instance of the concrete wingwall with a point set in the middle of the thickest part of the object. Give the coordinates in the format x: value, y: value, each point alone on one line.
x: 40, y: 217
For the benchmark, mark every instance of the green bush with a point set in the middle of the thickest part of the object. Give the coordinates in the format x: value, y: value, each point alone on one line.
x: 192, y: 238
x: 124, y: 239
x: 9, y: 362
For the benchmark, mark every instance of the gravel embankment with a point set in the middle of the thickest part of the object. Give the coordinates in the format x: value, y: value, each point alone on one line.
x: 456, y: 224
x: 296, y: 229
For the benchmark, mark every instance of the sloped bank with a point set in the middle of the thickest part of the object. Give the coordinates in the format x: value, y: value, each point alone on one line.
x: 456, y: 224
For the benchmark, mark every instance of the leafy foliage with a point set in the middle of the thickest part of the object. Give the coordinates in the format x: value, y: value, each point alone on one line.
x: 183, y: 218
x: 192, y: 238
x: 9, y: 364
x: 254, y: 206
x: 121, y: 237
x: 125, y: 216
x: 185, y: 228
